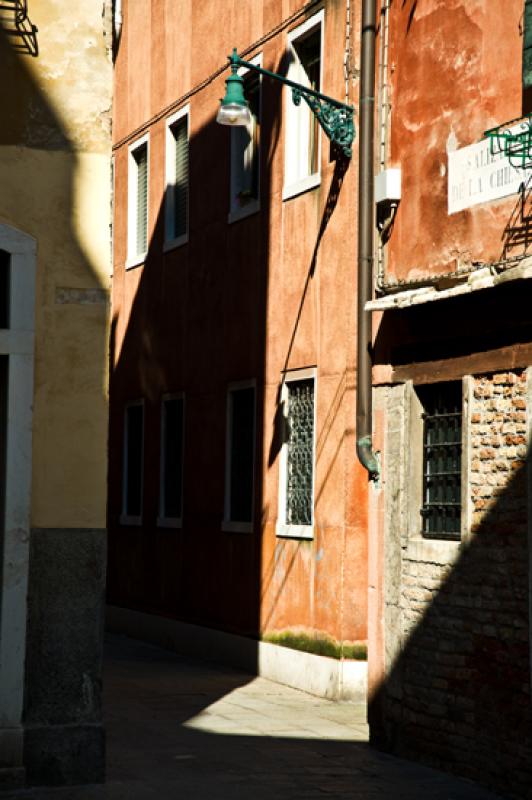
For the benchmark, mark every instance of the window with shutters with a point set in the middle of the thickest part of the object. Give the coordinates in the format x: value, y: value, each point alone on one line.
x: 441, y: 509
x: 296, y: 467
x: 302, y: 148
x: 133, y: 458
x: 240, y: 458
x: 171, y: 472
x: 138, y: 177
x: 245, y: 152
x: 177, y: 179
x: 527, y: 57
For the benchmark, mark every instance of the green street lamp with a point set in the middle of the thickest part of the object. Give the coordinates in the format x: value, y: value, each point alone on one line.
x: 335, y: 118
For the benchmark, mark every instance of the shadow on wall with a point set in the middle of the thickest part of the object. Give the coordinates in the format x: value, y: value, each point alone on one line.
x: 16, y: 24
x: 517, y: 235
x: 198, y: 323
x: 62, y: 635
x: 457, y: 695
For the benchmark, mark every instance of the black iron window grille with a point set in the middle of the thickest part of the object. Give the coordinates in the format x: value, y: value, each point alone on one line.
x: 442, y: 460
x: 300, y: 454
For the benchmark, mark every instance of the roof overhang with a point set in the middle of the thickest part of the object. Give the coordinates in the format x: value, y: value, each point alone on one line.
x: 486, y: 277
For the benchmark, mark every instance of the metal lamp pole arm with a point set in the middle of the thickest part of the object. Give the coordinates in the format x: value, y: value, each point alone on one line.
x: 335, y: 118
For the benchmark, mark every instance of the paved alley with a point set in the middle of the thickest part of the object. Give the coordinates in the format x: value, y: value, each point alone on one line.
x: 179, y: 728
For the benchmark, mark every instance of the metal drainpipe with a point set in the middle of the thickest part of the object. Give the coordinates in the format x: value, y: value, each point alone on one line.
x: 117, y: 18
x: 365, y: 238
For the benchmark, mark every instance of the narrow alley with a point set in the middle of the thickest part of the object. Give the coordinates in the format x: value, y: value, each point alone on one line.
x: 179, y: 728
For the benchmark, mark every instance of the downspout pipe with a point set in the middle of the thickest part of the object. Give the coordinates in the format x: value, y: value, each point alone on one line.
x: 365, y: 238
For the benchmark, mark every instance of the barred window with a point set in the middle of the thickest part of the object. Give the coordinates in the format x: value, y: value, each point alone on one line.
x: 296, y: 467
x: 442, y: 459
x: 300, y: 454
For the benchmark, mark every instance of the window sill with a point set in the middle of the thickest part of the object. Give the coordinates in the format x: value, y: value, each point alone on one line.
x: 237, y: 527
x: 136, y: 261
x: 435, y: 551
x: 301, y: 186
x: 172, y: 244
x: 169, y: 522
x: 294, y: 531
x: 241, y: 213
x: 125, y: 519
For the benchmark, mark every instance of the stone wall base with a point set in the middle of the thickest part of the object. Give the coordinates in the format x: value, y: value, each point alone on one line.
x: 325, y: 677
x: 58, y: 755
x: 63, y: 734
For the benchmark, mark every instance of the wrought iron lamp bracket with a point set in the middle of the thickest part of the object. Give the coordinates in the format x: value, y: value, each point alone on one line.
x: 335, y: 118
x: 336, y: 121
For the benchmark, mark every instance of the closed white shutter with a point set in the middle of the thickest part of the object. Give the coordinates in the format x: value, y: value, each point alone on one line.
x: 180, y: 132
x: 141, y: 159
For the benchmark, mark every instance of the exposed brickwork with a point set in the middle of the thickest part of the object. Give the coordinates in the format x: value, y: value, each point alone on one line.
x: 459, y: 693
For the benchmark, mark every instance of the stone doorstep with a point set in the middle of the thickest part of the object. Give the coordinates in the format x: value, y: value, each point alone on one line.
x: 318, y: 675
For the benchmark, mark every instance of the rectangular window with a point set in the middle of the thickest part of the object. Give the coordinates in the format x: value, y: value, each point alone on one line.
x: 240, y: 458
x: 442, y: 459
x: 245, y: 155
x: 171, y: 476
x: 177, y: 179
x: 296, y: 473
x: 138, y: 174
x: 133, y: 464
x: 302, y: 153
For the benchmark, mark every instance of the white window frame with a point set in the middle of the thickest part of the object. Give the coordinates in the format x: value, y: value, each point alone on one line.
x: 295, y: 184
x: 284, y: 529
x: 162, y: 521
x: 134, y: 258
x: 236, y: 212
x: 227, y: 524
x: 125, y: 518
x: 171, y: 242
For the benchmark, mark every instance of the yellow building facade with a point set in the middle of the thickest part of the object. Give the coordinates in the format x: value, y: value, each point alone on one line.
x: 55, y: 196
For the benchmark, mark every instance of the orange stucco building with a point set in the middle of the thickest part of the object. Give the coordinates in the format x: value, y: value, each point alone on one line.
x: 236, y: 502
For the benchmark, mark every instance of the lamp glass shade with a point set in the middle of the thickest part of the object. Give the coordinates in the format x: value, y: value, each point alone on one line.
x: 234, y: 114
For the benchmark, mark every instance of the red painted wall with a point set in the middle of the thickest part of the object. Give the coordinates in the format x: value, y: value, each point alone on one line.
x: 272, y: 292
x: 454, y: 72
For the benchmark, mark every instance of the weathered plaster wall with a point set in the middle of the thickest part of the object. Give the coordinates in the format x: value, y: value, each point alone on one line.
x: 54, y: 165
x: 245, y: 300
x: 55, y: 177
x: 454, y: 72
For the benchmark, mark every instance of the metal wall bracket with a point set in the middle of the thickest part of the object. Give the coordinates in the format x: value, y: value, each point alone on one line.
x: 514, y: 141
x: 15, y: 22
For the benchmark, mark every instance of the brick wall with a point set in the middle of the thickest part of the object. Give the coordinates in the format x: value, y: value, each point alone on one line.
x: 457, y: 692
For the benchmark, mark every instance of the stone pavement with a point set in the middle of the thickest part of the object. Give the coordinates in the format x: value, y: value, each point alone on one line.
x: 180, y: 729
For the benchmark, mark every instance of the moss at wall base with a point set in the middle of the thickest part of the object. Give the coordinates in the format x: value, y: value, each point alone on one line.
x: 318, y: 644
